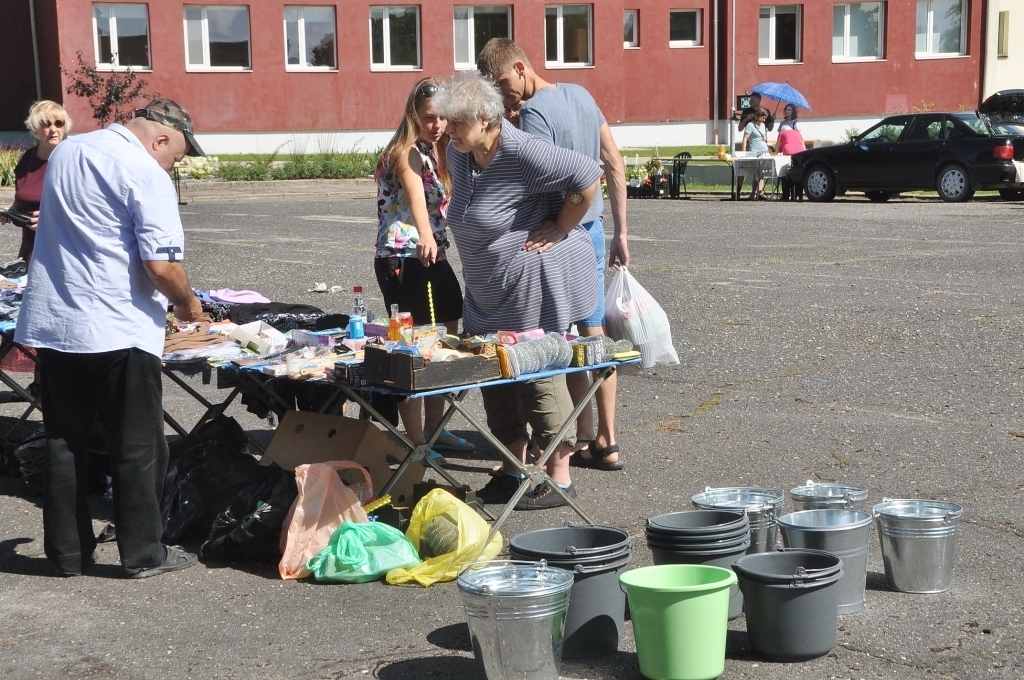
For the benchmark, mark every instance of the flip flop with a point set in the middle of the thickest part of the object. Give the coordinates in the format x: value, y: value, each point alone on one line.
x: 437, y: 458
x: 597, y: 460
x: 462, y: 446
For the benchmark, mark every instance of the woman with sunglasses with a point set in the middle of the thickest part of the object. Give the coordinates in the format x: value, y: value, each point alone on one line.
x: 413, y: 190
x: 49, y: 123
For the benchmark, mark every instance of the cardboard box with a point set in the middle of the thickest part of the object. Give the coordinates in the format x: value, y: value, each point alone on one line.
x: 410, y: 372
x: 307, y: 437
x: 260, y: 337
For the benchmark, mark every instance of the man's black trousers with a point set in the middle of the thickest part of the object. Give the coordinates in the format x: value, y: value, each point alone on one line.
x: 124, y: 389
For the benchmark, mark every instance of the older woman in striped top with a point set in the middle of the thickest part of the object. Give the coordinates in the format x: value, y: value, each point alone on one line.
x: 515, y: 212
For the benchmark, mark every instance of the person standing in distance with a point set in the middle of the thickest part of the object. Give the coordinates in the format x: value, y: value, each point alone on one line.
x: 108, y: 258
x: 567, y: 116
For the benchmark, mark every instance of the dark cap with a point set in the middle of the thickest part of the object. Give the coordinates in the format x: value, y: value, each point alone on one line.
x: 172, y: 114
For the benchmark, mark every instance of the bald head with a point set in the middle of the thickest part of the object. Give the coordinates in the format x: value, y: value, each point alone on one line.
x: 165, y: 144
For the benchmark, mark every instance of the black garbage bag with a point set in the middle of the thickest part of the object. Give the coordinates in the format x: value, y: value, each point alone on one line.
x: 205, y: 473
x: 249, y: 529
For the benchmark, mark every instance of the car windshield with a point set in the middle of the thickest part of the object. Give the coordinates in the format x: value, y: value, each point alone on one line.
x: 973, y: 121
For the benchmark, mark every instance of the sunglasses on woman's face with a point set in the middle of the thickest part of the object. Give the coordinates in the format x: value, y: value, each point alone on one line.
x: 57, y: 124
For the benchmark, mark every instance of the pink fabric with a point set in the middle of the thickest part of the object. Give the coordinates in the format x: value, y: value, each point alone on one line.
x: 791, y: 142
x: 239, y: 297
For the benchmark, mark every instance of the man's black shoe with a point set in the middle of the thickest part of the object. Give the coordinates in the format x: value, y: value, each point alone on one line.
x: 500, y: 489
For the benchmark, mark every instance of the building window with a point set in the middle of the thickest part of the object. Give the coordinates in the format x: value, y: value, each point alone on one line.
x: 857, y: 31
x: 779, y: 34
x: 309, y: 38
x: 567, y: 36
x: 941, y: 28
x: 121, y: 35
x: 684, y: 28
x: 474, y: 26
x: 631, y: 28
x: 395, y: 38
x: 1003, y: 36
x: 217, y: 37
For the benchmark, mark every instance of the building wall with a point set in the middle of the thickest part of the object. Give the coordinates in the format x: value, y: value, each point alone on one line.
x: 651, y: 93
x: 1004, y: 73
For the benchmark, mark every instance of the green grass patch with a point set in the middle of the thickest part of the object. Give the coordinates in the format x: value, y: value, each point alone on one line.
x: 8, y: 160
x: 669, y: 151
x: 263, y: 167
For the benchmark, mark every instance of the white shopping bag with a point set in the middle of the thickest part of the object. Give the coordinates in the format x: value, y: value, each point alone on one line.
x: 631, y: 313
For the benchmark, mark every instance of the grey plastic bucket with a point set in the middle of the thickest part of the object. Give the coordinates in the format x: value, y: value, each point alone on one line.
x: 761, y: 505
x: 844, y: 533
x: 816, y: 496
x: 789, y: 617
x: 516, y: 615
x: 918, y: 539
x: 595, y: 619
x: 712, y: 558
x: 698, y: 522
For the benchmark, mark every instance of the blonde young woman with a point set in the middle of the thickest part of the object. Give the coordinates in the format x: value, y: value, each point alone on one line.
x: 50, y: 124
x: 413, y: 191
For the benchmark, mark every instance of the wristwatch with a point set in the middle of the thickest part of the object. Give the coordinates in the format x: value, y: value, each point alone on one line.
x: 575, y: 198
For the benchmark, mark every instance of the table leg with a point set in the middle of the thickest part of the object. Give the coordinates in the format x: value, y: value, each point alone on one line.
x: 6, y: 346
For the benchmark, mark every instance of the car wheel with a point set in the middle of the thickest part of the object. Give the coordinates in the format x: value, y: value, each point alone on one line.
x: 1012, y: 194
x: 819, y: 184
x: 879, y: 196
x: 953, y: 184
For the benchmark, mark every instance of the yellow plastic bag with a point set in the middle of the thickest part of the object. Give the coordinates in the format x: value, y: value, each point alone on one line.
x: 472, y: 532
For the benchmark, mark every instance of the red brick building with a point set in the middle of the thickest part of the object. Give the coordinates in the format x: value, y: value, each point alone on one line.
x: 256, y: 73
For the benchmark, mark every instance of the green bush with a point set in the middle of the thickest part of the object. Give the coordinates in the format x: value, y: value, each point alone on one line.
x: 257, y: 171
x: 326, y: 166
x: 8, y: 159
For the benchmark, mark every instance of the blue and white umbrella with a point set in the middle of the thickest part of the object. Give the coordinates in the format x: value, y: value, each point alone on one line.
x: 782, y: 92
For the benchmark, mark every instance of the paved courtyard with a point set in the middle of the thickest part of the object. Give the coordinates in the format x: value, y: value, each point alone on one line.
x: 874, y: 344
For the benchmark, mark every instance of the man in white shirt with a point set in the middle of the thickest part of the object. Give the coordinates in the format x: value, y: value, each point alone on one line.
x: 107, y: 260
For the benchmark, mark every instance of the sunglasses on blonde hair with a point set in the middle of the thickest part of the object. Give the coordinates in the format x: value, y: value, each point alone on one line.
x: 426, y: 91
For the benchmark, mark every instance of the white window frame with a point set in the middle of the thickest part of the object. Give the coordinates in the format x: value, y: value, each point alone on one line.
x: 699, y: 42
x: 302, y: 39
x: 846, y: 33
x: 466, y: 66
x: 386, y: 66
x: 635, y: 43
x: 928, y: 53
x: 560, y: 38
x: 771, y: 35
x: 205, y: 66
x: 104, y: 66
x: 1003, y: 36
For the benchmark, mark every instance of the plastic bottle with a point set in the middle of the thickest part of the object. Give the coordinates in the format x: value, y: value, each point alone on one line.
x: 394, y: 325
x: 358, y: 316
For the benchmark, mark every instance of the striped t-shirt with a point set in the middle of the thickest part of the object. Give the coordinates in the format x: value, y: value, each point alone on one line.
x: 494, y: 209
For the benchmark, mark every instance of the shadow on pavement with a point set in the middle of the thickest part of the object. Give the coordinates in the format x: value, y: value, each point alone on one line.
x: 455, y: 637
x: 876, y: 581
x: 12, y: 562
x: 444, y: 667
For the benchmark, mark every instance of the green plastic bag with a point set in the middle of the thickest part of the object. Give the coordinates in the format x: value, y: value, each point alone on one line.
x: 361, y: 552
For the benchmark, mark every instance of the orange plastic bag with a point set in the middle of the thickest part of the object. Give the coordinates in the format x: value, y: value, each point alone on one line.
x: 323, y: 503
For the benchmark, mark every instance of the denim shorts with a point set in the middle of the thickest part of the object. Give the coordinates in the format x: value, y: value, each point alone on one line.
x: 596, y: 231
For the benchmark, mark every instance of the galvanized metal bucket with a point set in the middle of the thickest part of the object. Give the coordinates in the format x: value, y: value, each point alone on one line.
x: 815, y: 496
x: 761, y: 505
x: 918, y: 538
x: 516, y: 613
x: 844, y: 533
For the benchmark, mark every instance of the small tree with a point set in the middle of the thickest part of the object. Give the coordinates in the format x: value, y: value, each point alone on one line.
x: 109, y: 95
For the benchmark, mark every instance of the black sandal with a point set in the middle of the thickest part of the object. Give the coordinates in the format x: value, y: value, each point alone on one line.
x: 598, y: 458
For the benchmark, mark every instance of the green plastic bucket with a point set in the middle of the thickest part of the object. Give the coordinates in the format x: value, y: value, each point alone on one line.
x: 680, y: 613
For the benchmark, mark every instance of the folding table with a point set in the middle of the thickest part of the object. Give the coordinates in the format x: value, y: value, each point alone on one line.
x: 533, y: 472
x: 7, y: 345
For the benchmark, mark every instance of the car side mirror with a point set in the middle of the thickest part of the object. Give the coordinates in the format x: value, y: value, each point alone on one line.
x: 862, y: 146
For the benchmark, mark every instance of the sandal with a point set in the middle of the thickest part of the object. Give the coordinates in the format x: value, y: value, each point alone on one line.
x: 598, y: 458
x: 461, y: 445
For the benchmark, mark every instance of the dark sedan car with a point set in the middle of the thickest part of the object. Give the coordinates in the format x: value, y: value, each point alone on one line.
x: 954, y: 153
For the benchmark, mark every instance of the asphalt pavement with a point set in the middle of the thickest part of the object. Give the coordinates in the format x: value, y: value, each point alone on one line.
x: 876, y: 344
